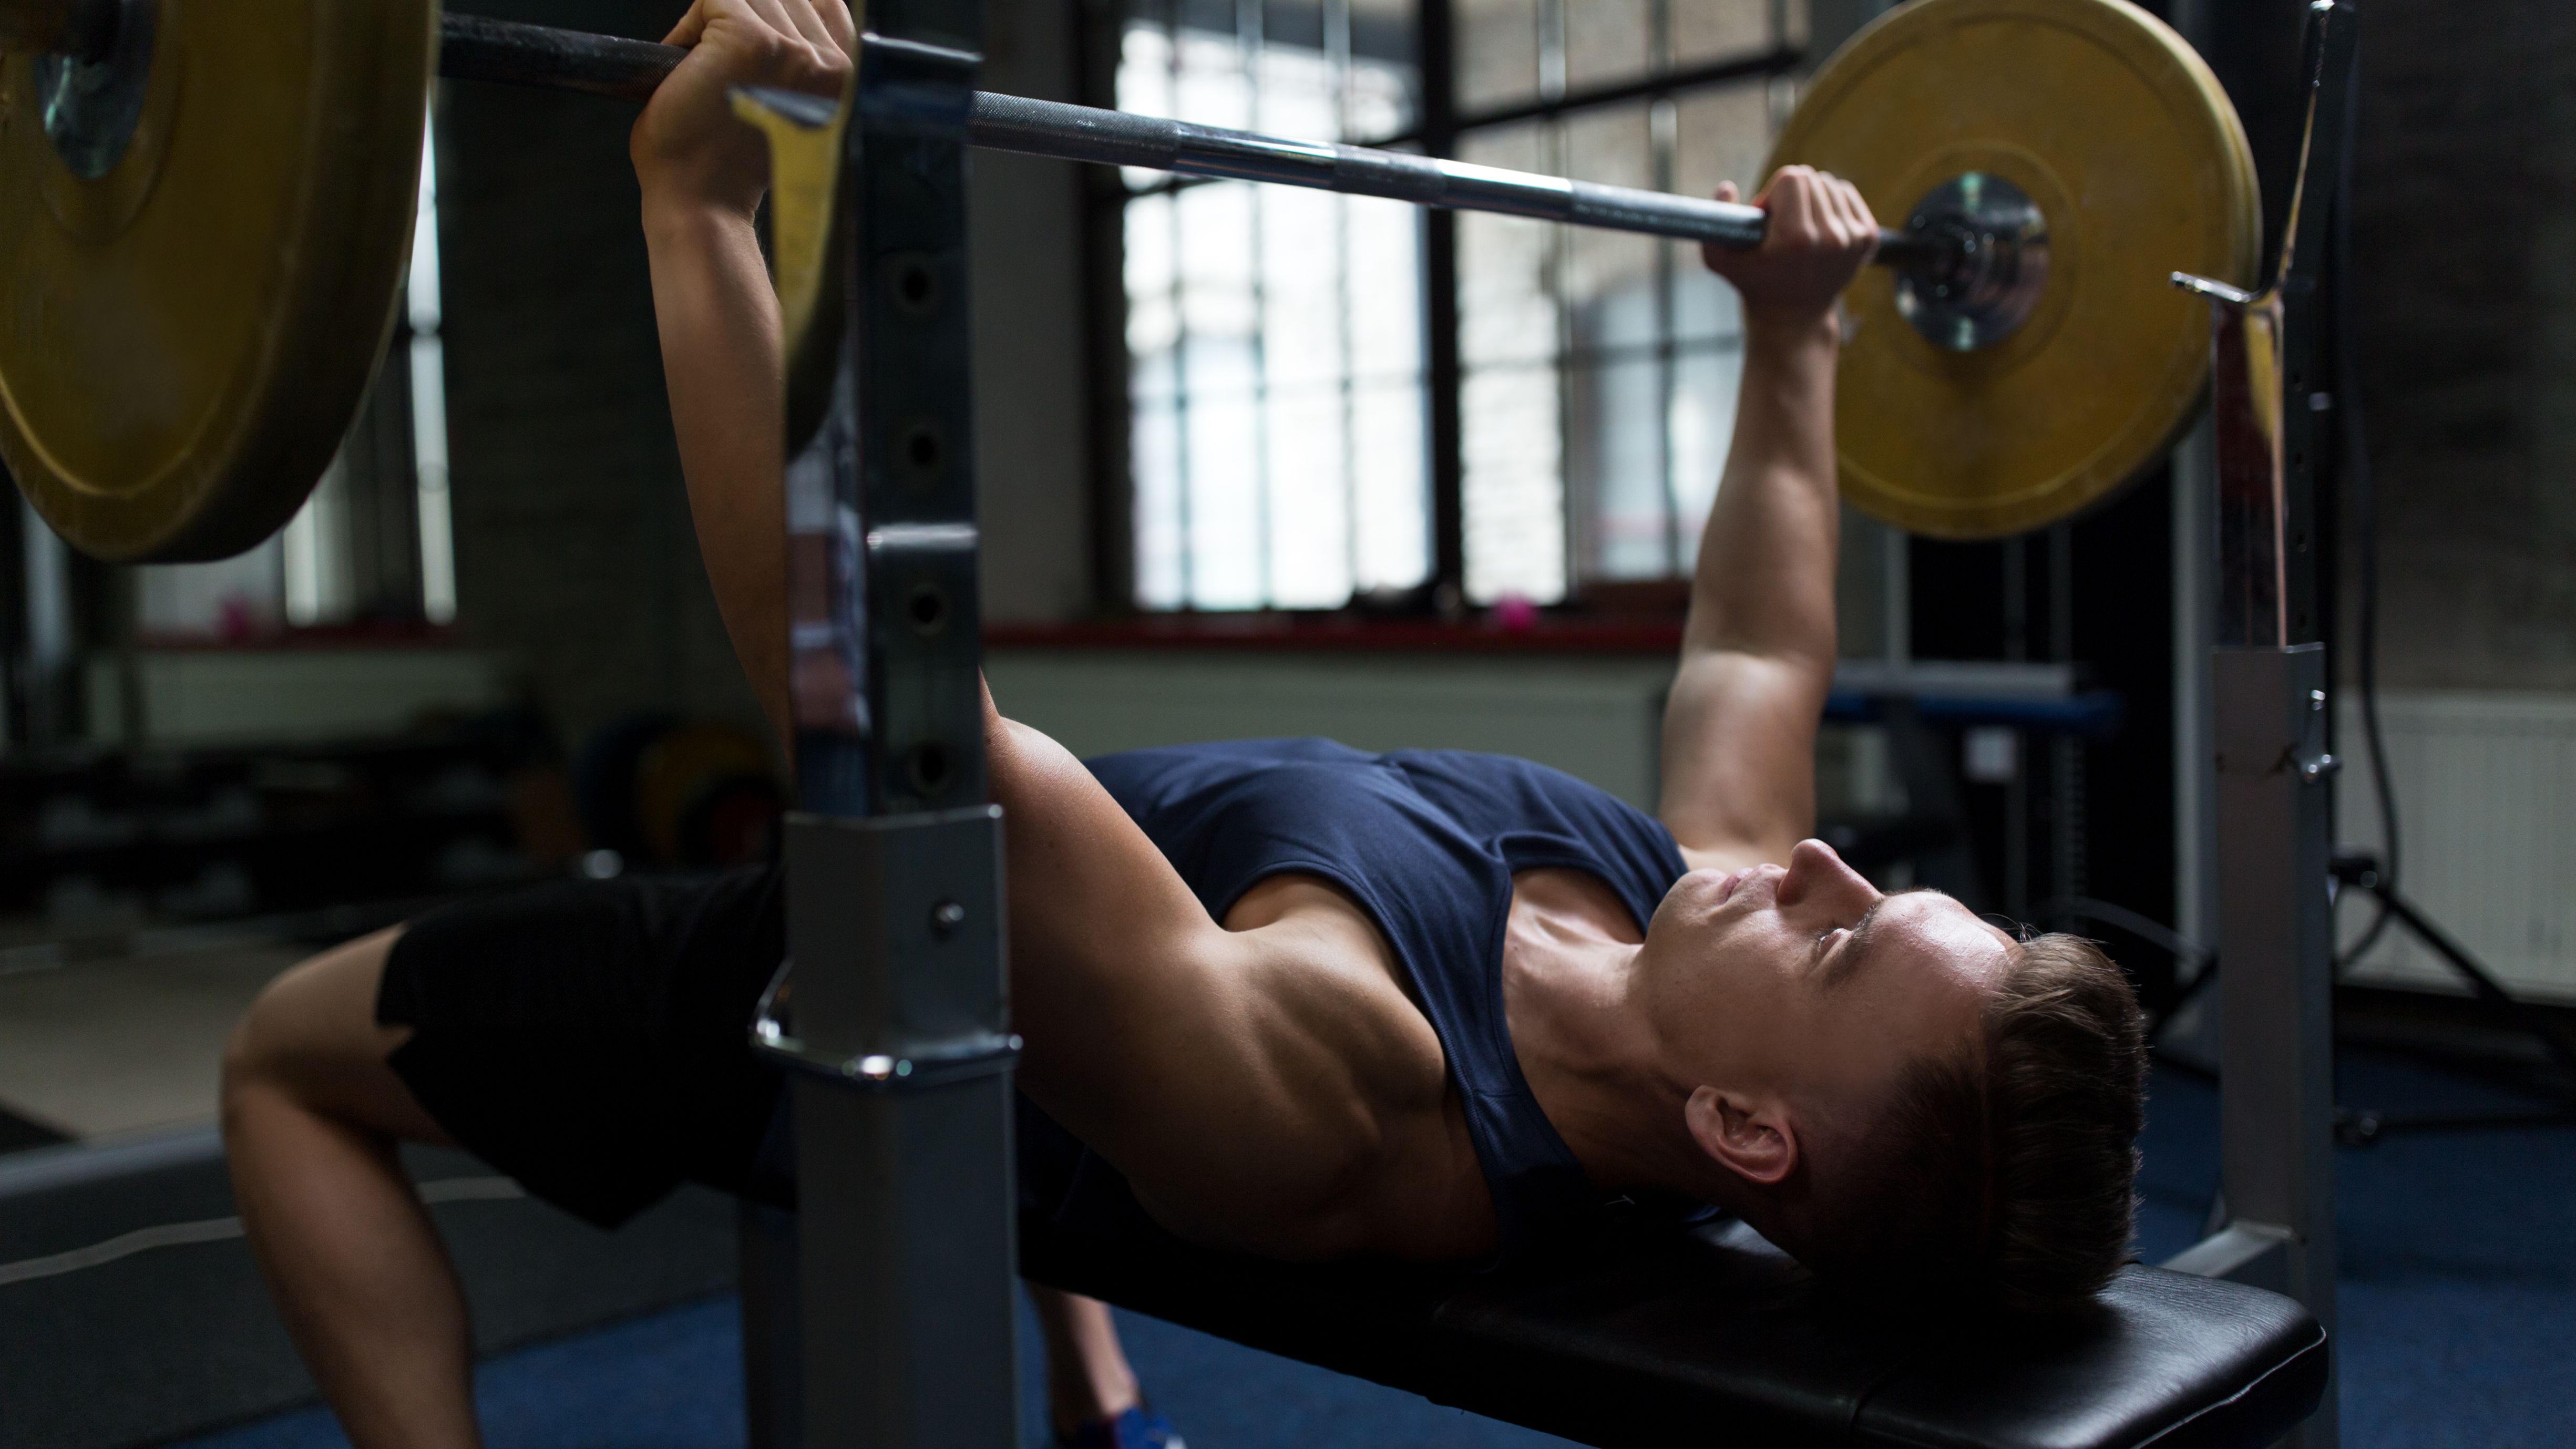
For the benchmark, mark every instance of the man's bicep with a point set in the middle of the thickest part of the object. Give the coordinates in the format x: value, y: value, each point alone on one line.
x: 1101, y: 926
x: 1739, y: 755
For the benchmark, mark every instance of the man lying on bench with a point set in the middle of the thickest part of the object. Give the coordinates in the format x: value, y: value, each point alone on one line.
x: 1296, y: 999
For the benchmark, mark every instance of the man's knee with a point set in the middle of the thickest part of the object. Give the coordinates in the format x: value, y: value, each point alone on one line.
x: 311, y: 1040
x: 260, y: 1056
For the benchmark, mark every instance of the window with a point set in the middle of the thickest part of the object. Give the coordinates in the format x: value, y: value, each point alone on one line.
x: 1278, y: 388
x: 1276, y: 333
x: 422, y: 306
x: 1598, y: 369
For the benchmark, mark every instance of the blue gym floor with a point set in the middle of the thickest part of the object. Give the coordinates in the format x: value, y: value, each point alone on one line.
x: 2458, y: 1306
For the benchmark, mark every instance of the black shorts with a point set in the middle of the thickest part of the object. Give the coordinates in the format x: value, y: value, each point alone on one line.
x: 591, y: 1039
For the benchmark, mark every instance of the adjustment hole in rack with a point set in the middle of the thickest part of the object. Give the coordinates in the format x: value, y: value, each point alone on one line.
x: 921, y: 452
x: 927, y: 764
x: 915, y: 286
x: 927, y: 608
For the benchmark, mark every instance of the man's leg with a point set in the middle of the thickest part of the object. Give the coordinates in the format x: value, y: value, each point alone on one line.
x: 311, y: 1117
x: 1088, y: 1377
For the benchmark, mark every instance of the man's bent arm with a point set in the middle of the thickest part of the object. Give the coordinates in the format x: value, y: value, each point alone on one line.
x: 702, y: 173
x: 1158, y: 1037
x: 1758, y: 650
x: 720, y: 348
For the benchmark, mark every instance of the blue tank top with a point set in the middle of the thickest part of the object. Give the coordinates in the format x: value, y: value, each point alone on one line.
x: 1427, y: 842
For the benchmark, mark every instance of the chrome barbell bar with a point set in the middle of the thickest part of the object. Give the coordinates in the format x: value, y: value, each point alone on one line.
x: 480, y: 49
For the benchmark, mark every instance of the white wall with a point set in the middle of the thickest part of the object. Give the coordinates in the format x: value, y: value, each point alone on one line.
x: 1594, y: 719
x: 1598, y: 719
x: 2486, y: 814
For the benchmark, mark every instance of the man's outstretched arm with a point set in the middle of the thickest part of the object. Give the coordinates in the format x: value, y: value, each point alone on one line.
x: 703, y: 174
x: 1758, y: 651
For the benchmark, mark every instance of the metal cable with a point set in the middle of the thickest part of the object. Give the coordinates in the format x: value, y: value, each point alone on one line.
x: 2365, y: 504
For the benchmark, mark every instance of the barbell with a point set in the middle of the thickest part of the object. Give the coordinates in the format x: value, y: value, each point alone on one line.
x: 206, y: 212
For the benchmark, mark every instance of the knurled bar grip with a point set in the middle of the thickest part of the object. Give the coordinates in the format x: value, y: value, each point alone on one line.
x: 473, y: 48
x: 535, y: 55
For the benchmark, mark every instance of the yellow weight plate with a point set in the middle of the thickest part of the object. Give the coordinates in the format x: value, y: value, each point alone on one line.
x: 2114, y: 126
x: 185, y: 337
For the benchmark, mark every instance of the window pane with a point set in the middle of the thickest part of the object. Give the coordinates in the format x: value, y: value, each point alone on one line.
x: 1612, y: 147
x: 1617, y: 298
x: 1275, y: 333
x: 1703, y: 423
x: 1309, y: 521
x: 1511, y: 278
x: 1617, y: 471
x: 1391, y: 503
x: 1303, y: 327
x: 1498, y: 52
x: 1723, y: 135
x: 1381, y: 273
x: 1162, y: 575
x: 1506, y: 265
x: 1514, y: 52
x: 1153, y: 296
x: 1514, y: 485
x: 233, y: 599
x: 1224, y: 477
x: 1608, y: 41
x: 1707, y: 30
x: 1601, y: 366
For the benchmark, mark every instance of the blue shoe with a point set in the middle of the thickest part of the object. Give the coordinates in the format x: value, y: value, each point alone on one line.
x: 1137, y: 1428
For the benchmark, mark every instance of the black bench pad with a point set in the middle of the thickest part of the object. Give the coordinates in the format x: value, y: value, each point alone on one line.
x: 1718, y: 1338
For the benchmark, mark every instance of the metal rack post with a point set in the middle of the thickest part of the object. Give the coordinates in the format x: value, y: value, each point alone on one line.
x: 892, y: 1008
x: 2275, y: 1224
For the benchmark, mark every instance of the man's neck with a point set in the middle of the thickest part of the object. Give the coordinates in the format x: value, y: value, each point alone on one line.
x: 1589, y: 1048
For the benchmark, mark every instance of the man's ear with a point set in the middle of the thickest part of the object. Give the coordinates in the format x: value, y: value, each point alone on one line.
x: 1749, y: 1136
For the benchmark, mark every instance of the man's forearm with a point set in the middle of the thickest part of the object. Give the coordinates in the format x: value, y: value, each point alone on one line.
x: 721, y: 356
x: 1758, y: 654
x: 1765, y: 581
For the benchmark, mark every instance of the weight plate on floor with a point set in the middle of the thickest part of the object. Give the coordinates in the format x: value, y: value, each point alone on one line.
x: 201, y: 242
x: 2113, y: 126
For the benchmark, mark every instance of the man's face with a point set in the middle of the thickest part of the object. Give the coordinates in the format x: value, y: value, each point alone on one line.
x: 1806, y: 983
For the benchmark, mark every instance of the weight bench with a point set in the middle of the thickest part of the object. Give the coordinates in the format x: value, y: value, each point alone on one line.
x: 1718, y: 1337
